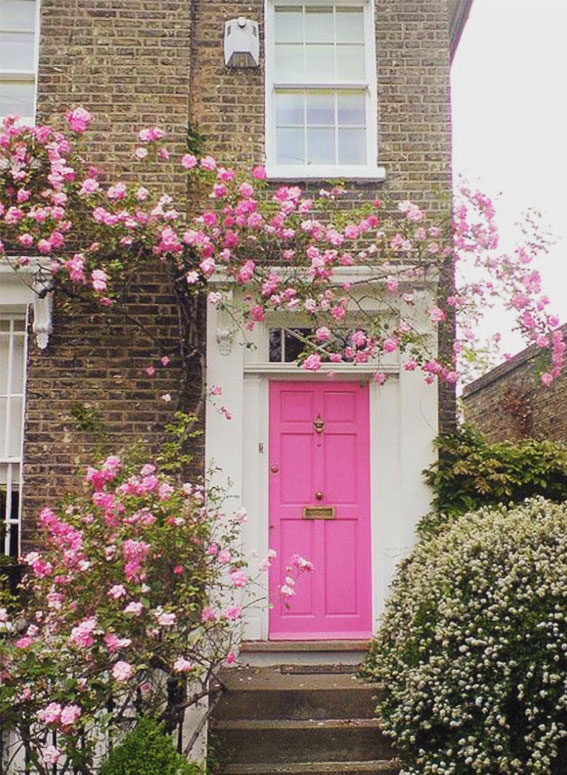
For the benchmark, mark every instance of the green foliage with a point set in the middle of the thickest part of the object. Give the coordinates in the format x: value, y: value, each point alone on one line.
x: 173, y: 457
x: 472, y: 651
x: 471, y: 472
x: 195, y: 140
x: 86, y: 418
x: 146, y: 750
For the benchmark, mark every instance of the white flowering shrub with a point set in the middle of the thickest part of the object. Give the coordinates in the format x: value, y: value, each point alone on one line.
x: 472, y: 650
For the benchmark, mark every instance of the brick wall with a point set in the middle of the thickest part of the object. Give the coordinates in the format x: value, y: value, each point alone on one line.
x: 129, y: 62
x: 510, y: 403
x: 135, y: 63
x: 414, y: 141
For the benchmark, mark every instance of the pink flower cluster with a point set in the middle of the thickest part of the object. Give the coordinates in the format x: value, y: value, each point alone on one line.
x: 63, y: 717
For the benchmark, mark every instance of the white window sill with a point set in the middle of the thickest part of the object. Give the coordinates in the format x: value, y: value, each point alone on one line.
x: 325, y: 172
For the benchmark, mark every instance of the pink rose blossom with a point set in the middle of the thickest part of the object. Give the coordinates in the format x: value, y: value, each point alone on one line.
x: 78, y: 119
x: 546, y: 379
x: 69, y: 715
x: 182, y: 665
x: 116, y: 592
x: 135, y: 608
x: 238, y: 578
x: 122, y: 671
x: 51, y: 755
x: 82, y: 634
x: 208, y: 163
x: 312, y: 362
x: 232, y: 613
x: 208, y: 614
x: 150, y: 134
x: 224, y: 556
x: 50, y: 714
x: 188, y: 161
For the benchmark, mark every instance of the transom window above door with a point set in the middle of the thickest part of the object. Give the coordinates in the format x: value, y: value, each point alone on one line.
x: 321, y: 89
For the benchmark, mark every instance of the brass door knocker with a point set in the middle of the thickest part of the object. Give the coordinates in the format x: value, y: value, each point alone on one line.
x: 318, y: 424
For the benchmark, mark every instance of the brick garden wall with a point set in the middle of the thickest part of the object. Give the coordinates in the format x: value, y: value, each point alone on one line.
x: 510, y: 403
x: 136, y: 63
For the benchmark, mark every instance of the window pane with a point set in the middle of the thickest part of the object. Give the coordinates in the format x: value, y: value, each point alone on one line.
x: 352, y: 146
x: 3, y: 442
x: 352, y: 107
x: 294, y: 346
x: 17, y: 15
x: 13, y: 548
x: 290, y: 146
x: 350, y: 25
x: 17, y: 97
x: 15, y: 430
x: 290, y: 108
x: 320, y: 62
x: 350, y: 62
x: 320, y: 146
x: 275, y: 345
x: 321, y: 107
x: 4, y: 345
x: 289, y: 62
x: 16, y: 51
x: 289, y: 24
x: 17, y: 385
x: 319, y: 25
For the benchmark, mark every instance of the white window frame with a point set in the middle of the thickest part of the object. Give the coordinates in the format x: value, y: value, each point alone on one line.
x: 25, y: 290
x: 14, y: 463
x: 27, y: 76
x: 368, y: 171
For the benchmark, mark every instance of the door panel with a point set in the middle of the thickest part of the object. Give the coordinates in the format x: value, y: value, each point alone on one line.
x: 319, y: 457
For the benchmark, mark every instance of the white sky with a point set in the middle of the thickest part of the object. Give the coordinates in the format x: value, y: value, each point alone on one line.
x: 509, y: 100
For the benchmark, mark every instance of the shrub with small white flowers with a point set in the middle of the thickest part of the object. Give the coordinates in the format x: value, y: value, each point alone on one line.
x: 472, y: 650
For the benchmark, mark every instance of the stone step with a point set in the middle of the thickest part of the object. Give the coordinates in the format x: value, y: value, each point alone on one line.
x: 376, y: 767
x: 292, y: 741
x: 270, y: 693
x: 320, y: 652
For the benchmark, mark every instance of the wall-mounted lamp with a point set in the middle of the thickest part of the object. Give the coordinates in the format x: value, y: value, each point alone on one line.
x: 241, y: 43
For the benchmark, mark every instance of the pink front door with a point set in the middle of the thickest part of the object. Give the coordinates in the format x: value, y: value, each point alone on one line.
x: 320, y: 509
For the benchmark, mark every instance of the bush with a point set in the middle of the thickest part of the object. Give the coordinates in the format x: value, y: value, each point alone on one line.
x: 146, y: 750
x: 472, y: 650
x: 471, y: 473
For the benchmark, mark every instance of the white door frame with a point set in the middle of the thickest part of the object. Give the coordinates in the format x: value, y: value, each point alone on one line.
x: 403, y: 419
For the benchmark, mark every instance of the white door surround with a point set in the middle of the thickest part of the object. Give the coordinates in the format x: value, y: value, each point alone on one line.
x: 403, y: 424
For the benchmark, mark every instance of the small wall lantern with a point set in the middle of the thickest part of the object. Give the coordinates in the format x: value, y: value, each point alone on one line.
x: 241, y: 43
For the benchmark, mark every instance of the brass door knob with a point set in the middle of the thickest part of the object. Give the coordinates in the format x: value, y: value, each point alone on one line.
x: 319, y: 495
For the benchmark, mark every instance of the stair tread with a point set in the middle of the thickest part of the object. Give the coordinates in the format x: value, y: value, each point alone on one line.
x: 274, y: 679
x: 314, y: 768
x: 274, y: 724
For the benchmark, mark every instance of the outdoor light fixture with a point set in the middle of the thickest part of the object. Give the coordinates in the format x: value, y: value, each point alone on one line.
x: 241, y: 43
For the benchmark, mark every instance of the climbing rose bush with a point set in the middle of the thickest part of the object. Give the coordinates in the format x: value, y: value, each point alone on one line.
x: 132, y: 603
x: 255, y: 248
x: 472, y: 650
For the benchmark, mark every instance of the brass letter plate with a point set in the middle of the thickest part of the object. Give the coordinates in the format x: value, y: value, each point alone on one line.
x: 318, y: 512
